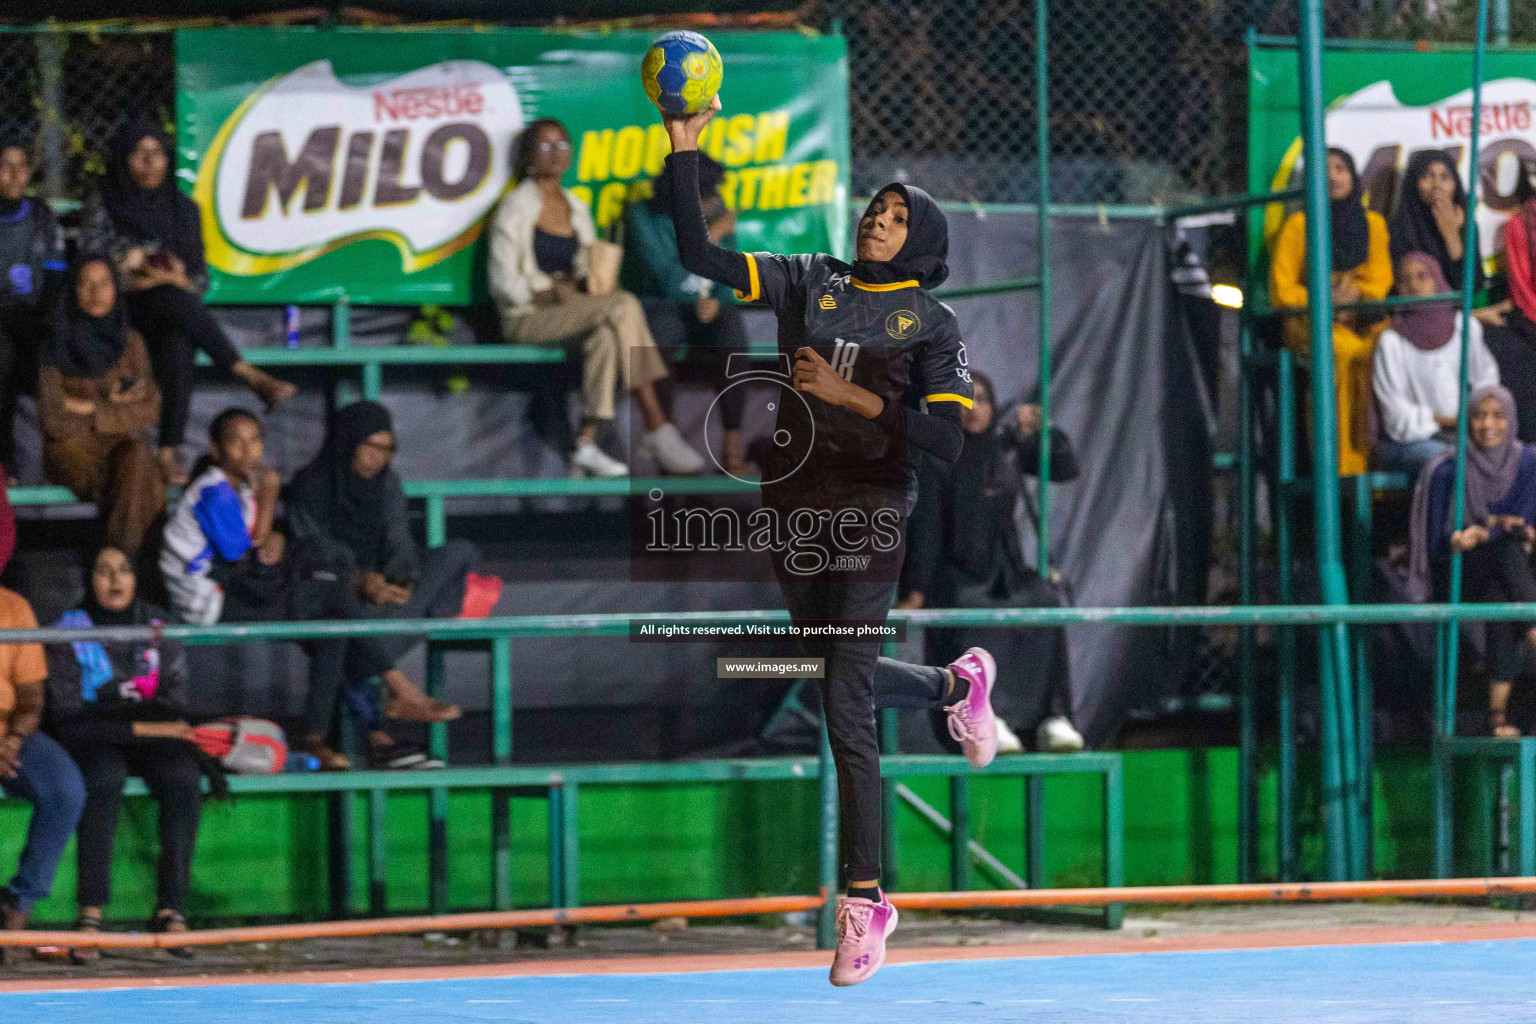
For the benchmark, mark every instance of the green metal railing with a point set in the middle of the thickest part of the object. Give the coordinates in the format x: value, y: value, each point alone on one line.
x: 1347, y: 703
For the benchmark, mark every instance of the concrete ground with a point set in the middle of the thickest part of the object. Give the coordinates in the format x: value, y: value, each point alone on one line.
x: 768, y: 935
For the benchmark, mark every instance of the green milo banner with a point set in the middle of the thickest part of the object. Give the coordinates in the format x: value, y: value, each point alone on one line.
x: 364, y: 165
x: 1382, y: 107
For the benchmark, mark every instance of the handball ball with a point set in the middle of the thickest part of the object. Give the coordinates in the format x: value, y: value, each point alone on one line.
x: 681, y: 73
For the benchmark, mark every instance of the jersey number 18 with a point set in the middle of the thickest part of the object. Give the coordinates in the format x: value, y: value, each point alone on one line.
x: 843, y: 355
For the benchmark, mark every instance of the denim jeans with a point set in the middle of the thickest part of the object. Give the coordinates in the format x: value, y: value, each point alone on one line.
x: 47, y: 779
x: 1407, y: 456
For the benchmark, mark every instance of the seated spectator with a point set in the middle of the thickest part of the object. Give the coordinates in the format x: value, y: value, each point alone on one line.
x: 1362, y: 272
x: 224, y: 561
x: 963, y: 551
x: 1417, y: 375
x: 541, y: 246
x: 96, y: 395
x: 153, y: 234
x: 350, y: 500
x: 31, y: 273
x: 32, y: 766
x: 1432, y: 219
x: 120, y: 710
x: 712, y: 324
x: 1515, y: 348
x: 1499, y: 520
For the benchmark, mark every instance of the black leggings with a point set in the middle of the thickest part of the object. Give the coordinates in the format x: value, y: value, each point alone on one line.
x: 1497, y: 572
x: 175, y: 323
x: 170, y: 771
x: 22, y: 330
x: 315, y: 594
x: 855, y: 679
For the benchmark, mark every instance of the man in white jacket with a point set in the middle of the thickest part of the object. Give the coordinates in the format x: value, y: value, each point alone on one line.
x: 540, y: 263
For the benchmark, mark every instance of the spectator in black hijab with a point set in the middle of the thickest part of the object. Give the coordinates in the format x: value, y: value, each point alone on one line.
x: 31, y: 274
x: 120, y: 710
x: 1432, y: 219
x: 349, y: 499
x: 153, y: 235
x: 963, y: 551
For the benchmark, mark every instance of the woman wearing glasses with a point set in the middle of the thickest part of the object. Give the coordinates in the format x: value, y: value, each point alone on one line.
x: 541, y: 257
x: 349, y: 503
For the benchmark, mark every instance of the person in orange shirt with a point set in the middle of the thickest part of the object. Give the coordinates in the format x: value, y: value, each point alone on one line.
x: 32, y: 766
x: 1362, y: 272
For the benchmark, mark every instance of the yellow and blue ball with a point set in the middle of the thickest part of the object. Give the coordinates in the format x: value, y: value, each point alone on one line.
x: 681, y: 73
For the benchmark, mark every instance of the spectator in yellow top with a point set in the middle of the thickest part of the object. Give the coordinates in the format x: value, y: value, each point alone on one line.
x: 1362, y: 272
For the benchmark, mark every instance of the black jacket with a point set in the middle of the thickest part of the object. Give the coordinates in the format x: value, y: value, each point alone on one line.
x: 962, y: 530
x: 108, y: 716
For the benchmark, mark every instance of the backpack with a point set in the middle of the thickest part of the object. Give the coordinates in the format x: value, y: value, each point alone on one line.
x: 245, y: 746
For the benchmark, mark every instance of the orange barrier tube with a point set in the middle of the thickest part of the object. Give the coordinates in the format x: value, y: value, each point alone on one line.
x: 982, y: 900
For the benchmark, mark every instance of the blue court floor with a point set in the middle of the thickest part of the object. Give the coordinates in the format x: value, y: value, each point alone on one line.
x: 1446, y: 983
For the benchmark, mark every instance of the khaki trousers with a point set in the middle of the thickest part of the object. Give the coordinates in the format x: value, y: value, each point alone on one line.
x: 617, y: 346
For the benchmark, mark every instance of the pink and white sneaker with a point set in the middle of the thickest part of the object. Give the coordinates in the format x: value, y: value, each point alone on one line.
x: 862, y: 928
x: 971, y: 721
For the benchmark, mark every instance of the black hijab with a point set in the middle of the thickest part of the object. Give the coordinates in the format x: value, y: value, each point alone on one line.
x: 82, y: 345
x: 711, y: 174
x: 1414, y: 228
x: 1350, y: 229
x: 159, y: 216
x: 351, y: 507
x: 922, y: 255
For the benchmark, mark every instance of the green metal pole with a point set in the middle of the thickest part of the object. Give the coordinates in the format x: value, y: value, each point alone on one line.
x: 1451, y: 638
x: 1043, y: 244
x: 826, y: 921
x: 959, y: 833
x: 1500, y: 23
x: 1463, y: 413
x: 1246, y: 830
x: 1285, y: 803
x: 890, y: 743
x: 1337, y: 808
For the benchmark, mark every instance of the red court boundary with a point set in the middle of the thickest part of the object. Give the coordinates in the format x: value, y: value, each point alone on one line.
x: 692, y: 963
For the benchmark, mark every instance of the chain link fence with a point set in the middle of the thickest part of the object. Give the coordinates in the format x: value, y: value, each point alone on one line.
x: 1148, y: 98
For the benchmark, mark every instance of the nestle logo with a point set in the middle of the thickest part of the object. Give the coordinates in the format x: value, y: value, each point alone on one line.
x: 428, y: 102
x: 1456, y: 122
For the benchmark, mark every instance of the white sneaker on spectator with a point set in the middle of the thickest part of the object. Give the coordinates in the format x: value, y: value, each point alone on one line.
x: 1056, y: 736
x: 1008, y: 741
x: 590, y: 460
x: 671, y: 452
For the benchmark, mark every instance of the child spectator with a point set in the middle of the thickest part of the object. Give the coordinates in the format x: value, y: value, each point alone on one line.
x: 712, y: 324
x: 32, y: 261
x: 153, y: 235
x: 33, y: 767
x: 1362, y: 271
x: 96, y: 395
x: 1499, y: 521
x: 1417, y: 371
x: 349, y: 499
x: 224, y: 561
x: 541, y: 246
x: 120, y: 710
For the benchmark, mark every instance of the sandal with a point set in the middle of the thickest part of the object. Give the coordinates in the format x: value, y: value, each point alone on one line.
x: 166, y: 922
x: 90, y: 924
x: 409, y: 703
x: 1499, y: 727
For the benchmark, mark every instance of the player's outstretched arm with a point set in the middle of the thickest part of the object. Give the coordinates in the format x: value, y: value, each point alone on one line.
x: 699, y: 255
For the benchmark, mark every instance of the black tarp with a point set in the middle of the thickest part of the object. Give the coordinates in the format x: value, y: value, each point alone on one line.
x: 1133, y: 530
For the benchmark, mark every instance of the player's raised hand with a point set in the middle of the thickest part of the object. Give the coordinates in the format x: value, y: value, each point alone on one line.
x: 685, y: 131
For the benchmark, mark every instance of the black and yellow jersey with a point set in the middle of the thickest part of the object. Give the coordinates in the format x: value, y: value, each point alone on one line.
x: 894, y: 340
